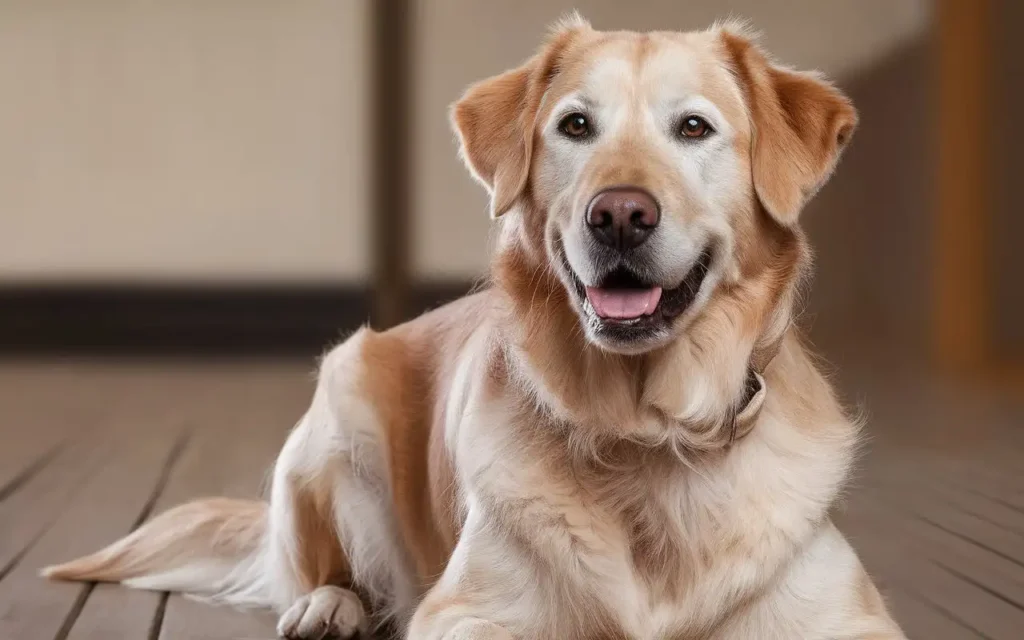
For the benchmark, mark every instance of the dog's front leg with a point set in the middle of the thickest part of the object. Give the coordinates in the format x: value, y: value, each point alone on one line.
x: 475, y: 598
x: 472, y: 629
x: 448, y: 614
x: 453, y: 612
x: 307, y: 564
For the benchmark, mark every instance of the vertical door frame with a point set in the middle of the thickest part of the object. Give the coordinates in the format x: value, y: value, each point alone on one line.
x: 963, y: 294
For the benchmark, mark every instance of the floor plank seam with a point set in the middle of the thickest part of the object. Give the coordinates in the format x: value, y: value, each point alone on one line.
x: 165, y: 474
x: 963, y: 510
x: 1012, y: 530
x: 970, y: 540
x: 75, y: 611
x: 29, y: 472
x: 944, y: 500
x: 913, y: 512
x: 972, y: 581
x: 19, y: 556
x: 945, y: 613
x: 1000, y: 501
x: 157, y: 626
x: 45, y: 528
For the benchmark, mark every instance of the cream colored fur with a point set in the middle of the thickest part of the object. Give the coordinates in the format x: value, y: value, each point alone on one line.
x: 493, y: 470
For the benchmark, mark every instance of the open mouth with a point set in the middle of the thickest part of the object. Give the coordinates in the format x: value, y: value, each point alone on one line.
x: 625, y: 299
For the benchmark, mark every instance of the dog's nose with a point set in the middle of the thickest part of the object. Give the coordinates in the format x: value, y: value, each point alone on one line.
x: 623, y: 217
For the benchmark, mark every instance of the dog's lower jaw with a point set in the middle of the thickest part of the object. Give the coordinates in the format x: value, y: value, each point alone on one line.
x: 612, y: 342
x: 654, y: 329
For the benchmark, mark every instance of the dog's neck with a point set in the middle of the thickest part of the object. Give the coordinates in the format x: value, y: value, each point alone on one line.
x: 696, y: 391
x: 694, y: 388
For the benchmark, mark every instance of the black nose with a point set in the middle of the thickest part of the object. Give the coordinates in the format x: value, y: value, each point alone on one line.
x: 623, y: 217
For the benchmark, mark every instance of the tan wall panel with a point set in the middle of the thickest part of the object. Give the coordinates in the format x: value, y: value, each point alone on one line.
x: 184, y: 140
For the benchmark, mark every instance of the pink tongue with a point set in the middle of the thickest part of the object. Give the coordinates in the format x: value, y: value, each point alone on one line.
x: 623, y: 304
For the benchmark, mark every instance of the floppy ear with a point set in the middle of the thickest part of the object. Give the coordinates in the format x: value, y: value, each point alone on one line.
x: 494, y: 119
x: 801, y: 124
x: 490, y: 122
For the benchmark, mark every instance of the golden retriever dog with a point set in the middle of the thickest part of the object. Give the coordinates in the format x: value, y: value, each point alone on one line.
x: 623, y: 437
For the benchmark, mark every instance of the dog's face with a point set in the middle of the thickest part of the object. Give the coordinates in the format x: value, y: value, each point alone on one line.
x: 639, y: 171
x: 638, y: 162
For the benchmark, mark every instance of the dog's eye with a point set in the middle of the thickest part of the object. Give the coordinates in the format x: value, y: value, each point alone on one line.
x: 694, y: 127
x: 575, y: 125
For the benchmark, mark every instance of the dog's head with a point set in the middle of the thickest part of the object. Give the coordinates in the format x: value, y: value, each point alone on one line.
x: 639, y: 165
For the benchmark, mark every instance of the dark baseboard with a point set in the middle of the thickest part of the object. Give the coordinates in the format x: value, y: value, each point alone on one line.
x: 139, y: 320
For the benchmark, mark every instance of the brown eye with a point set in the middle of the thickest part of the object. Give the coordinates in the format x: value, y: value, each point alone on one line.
x: 575, y: 125
x: 695, y: 127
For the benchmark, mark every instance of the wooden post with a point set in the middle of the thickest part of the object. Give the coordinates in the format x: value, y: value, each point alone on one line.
x: 391, y: 141
x: 962, y: 279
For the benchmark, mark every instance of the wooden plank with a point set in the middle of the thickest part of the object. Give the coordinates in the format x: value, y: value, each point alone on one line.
x: 905, y: 565
x: 970, y: 562
x: 191, y: 620
x: 253, y: 404
x: 108, y: 505
x: 29, y: 512
x: 995, y: 481
x: 232, y: 459
x: 132, y: 400
x: 921, y: 620
x: 23, y: 458
x: 32, y: 425
x: 985, y: 507
x: 966, y: 525
x: 112, y: 611
x: 995, y: 477
x: 240, y: 417
x: 954, y: 487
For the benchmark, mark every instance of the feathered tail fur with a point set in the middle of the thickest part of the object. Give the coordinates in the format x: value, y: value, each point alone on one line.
x: 213, y: 549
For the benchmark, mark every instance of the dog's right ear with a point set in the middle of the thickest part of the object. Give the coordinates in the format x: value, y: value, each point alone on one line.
x: 495, y: 118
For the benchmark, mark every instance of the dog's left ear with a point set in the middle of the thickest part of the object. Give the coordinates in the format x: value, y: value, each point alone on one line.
x: 494, y: 119
x: 801, y: 125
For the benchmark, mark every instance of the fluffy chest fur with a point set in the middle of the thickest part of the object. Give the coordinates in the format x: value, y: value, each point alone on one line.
x: 637, y: 539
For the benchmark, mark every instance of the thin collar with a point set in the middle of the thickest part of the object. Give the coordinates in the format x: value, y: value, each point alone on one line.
x: 755, y: 389
x: 749, y: 407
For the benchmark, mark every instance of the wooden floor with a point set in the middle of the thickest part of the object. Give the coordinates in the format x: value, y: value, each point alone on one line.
x: 87, y: 452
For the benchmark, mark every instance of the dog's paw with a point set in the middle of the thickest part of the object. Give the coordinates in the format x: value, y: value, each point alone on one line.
x: 329, y: 613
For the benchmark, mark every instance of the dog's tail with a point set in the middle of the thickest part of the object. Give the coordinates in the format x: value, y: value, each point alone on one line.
x: 213, y: 548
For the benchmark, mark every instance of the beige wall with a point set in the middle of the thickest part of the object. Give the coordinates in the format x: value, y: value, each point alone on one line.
x: 460, y: 41
x: 184, y: 140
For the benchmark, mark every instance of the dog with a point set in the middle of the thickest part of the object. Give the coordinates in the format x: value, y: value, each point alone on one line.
x: 624, y: 435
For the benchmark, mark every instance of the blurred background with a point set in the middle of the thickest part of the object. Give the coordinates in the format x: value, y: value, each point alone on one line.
x: 198, y: 196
